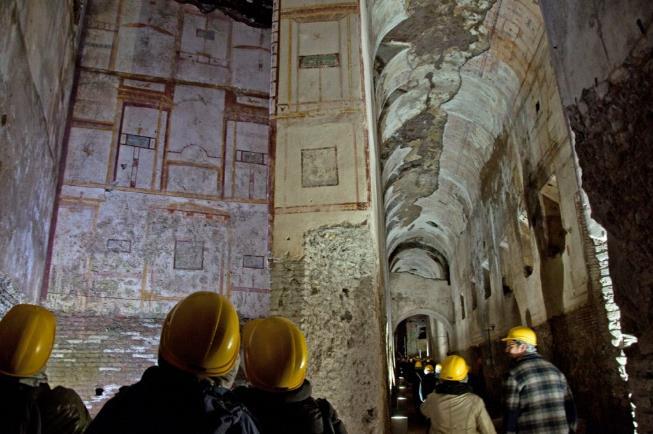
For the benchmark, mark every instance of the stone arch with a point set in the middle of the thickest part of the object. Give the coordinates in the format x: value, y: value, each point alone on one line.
x: 428, y: 312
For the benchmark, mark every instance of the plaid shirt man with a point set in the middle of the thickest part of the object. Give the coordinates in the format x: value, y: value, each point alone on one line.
x: 538, y: 399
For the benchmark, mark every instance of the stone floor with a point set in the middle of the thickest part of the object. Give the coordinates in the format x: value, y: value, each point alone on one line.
x: 405, y: 408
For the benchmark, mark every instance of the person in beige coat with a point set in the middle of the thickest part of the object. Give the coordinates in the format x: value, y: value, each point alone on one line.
x: 453, y: 408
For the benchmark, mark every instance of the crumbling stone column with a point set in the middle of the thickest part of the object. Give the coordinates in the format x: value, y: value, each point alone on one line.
x: 325, y: 272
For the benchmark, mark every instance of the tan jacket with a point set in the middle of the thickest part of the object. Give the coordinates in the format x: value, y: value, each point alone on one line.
x: 457, y: 414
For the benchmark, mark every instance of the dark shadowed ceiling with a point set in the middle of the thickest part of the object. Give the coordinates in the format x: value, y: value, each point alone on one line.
x: 256, y: 13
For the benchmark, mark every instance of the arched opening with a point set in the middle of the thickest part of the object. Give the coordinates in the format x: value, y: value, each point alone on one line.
x: 551, y: 238
x: 421, y: 338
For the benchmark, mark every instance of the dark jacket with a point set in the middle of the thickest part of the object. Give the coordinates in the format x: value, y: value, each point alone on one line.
x: 30, y: 406
x: 169, y: 401
x: 292, y: 412
x: 427, y: 385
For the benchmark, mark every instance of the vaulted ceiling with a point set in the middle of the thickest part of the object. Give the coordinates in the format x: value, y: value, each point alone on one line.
x: 447, y: 75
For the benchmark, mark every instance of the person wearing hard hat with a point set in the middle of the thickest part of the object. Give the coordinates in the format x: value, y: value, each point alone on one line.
x: 188, y: 391
x: 427, y: 385
x: 537, y: 398
x: 275, y: 359
x: 453, y: 408
x: 27, y: 403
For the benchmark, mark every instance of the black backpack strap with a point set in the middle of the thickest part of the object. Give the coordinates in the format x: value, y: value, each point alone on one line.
x: 325, y: 409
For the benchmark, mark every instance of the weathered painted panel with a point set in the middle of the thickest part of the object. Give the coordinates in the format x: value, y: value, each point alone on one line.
x: 144, y: 218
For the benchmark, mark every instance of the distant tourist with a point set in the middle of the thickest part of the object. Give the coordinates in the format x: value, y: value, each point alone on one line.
x: 453, y: 408
x: 427, y: 385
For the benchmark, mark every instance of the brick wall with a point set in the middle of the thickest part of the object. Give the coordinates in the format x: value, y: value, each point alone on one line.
x: 102, y: 352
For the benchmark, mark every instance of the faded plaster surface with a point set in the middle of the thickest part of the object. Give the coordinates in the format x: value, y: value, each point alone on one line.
x: 166, y: 180
x: 125, y: 253
x: 166, y: 184
x: 35, y: 85
x: 607, y: 30
x: 419, y: 71
x: 326, y: 270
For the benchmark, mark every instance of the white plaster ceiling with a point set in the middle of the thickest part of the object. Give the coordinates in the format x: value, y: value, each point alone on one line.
x: 448, y: 76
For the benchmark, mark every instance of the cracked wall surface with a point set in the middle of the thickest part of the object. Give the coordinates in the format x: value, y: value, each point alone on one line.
x: 491, y: 123
x: 330, y: 293
x: 35, y: 86
x: 165, y: 186
x: 419, y: 63
x: 607, y: 96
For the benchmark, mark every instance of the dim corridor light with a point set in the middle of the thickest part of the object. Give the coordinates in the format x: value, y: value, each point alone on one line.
x: 399, y: 424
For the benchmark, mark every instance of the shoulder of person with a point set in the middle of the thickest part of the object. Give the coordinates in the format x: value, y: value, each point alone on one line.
x: 337, y: 425
x: 475, y: 399
x: 65, y: 394
x: 324, y: 405
x: 63, y: 410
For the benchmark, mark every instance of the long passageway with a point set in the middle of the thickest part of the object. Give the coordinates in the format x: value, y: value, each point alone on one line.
x: 406, y: 410
x: 400, y: 178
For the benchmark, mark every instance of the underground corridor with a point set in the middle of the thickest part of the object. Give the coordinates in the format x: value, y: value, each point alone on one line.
x: 405, y: 180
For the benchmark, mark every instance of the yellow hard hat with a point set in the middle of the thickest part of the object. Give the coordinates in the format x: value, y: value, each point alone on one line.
x: 454, y: 368
x: 438, y: 368
x: 26, y: 340
x: 418, y: 364
x: 428, y: 369
x: 275, y: 354
x: 201, y: 335
x: 522, y: 334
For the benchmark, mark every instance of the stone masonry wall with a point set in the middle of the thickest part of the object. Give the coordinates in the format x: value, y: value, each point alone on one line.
x: 614, y: 138
x: 607, y: 96
x: 327, y: 268
x: 37, y: 43
x: 330, y: 293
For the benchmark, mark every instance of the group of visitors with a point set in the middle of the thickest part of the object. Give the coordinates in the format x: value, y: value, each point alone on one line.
x: 536, y: 396
x: 188, y: 391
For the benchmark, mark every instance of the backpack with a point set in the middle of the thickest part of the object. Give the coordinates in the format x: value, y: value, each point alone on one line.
x: 167, y: 402
x: 225, y: 415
